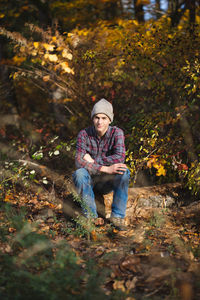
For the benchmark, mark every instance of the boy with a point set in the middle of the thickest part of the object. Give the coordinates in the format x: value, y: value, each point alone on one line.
x: 100, y: 155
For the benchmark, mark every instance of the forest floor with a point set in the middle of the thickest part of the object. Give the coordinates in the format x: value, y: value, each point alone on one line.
x: 158, y: 257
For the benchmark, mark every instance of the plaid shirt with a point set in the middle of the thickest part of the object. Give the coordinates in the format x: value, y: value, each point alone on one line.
x: 108, y: 150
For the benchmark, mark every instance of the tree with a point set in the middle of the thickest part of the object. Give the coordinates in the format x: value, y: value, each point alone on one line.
x: 139, y: 10
x: 177, y: 8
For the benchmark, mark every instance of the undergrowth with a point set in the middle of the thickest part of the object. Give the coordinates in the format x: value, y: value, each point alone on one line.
x: 34, y: 267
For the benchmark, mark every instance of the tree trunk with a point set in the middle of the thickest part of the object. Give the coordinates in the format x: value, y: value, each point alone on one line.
x: 192, y: 12
x: 177, y: 9
x: 139, y: 11
x: 157, y: 6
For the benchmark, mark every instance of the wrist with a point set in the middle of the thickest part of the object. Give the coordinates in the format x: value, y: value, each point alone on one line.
x: 104, y: 169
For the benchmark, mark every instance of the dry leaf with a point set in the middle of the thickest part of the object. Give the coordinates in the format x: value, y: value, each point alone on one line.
x: 130, y: 284
x: 130, y: 263
x: 8, y: 249
x: 66, y: 68
x: 46, y: 78
x: 94, y: 235
x: 119, y: 285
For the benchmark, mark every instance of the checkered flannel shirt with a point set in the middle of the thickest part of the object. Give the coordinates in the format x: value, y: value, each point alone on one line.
x: 105, y: 151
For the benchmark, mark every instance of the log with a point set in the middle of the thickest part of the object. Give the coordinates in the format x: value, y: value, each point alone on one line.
x: 142, y: 200
x: 190, y: 210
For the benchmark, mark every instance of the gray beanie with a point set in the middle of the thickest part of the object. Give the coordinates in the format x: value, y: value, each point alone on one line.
x: 103, y: 107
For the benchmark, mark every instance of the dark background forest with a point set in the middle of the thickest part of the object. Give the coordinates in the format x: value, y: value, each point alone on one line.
x: 57, y: 58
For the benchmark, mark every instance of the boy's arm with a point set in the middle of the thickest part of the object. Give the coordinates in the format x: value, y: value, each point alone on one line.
x: 82, y: 159
x: 113, y: 169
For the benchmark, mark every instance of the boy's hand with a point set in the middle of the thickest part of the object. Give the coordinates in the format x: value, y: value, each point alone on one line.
x: 88, y: 158
x: 114, y: 169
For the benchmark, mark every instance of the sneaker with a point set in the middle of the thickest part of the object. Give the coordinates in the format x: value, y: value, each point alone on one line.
x: 119, y: 223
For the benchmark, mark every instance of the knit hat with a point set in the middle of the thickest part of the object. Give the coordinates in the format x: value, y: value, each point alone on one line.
x: 103, y: 107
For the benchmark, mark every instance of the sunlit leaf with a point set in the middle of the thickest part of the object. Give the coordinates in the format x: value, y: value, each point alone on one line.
x: 46, y: 78
x: 161, y: 171
x: 36, y: 45
x: 66, y: 68
x: 67, y: 54
x: 51, y: 57
x: 49, y: 47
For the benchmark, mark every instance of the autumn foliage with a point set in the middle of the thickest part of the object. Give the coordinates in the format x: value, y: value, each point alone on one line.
x: 149, y: 72
x: 57, y: 59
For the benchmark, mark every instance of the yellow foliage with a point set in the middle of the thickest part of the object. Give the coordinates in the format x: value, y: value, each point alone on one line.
x: 51, y: 57
x: 150, y: 162
x: 66, y: 68
x: 48, y: 47
x: 157, y: 164
x: 161, y: 171
x: 67, y: 54
x: 34, y: 53
x: 18, y: 60
x: 197, y: 19
x: 36, y: 45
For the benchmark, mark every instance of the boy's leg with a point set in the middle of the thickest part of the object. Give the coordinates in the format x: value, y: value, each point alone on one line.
x: 84, y: 186
x: 120, y: 197
x: 119, y: 184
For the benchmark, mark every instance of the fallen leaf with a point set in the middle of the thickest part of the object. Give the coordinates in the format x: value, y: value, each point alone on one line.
x: 94, y: 235
x: 8, y: 249
x: 119, y: 285
x: 130, y: 263
x: 11, y: 229
x: 130, y: 284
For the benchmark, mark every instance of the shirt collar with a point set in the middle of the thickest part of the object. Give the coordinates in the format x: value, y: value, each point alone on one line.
x: 106, y: 135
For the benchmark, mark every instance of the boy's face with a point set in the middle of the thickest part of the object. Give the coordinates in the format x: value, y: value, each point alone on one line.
x: 101, y: 123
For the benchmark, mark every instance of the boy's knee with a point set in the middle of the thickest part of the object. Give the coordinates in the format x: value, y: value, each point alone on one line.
x: 80, y: 174
x: 126, y: 174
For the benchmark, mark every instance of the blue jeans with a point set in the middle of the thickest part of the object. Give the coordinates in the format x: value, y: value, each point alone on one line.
x: 85, y: 185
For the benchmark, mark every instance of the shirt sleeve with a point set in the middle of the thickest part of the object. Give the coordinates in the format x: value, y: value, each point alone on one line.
x: 118, y: 150
x: 81, y: 146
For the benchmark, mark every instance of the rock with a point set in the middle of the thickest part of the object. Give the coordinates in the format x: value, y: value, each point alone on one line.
x: 44, y: 214
x: 50, y: 220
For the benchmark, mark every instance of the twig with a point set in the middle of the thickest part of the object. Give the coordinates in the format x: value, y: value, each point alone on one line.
x: 154, y: 292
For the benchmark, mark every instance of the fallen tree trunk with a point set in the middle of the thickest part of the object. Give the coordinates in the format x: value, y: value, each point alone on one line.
x: 190, y: 210
x: 143, y: 199
x: 140, y: 199
x: 63, y: 191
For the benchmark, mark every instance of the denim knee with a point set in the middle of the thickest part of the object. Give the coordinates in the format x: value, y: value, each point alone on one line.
x: 80, y: 175
x: 125, y: 176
